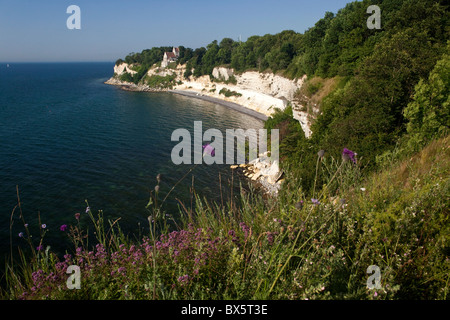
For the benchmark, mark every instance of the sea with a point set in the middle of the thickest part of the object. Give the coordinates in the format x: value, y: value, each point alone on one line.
x: 68, y: 140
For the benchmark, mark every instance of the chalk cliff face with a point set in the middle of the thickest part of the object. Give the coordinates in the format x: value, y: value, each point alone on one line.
x: 261, y: 92
x: 122, y: 68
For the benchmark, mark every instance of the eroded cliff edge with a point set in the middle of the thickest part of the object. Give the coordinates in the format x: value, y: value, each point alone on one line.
x: 260, y: 92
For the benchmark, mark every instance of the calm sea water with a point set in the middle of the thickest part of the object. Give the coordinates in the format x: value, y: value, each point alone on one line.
x: 65, y: 136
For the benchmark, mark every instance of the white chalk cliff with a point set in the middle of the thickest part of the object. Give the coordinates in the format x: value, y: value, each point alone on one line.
x: 261, y: 92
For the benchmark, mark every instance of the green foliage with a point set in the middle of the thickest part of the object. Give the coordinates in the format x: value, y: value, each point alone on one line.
x: 126, y: 76
x: 428, y: 114
x: 147, y: 57
x: 228, y: 93
x: 160, y: 82
x: 337, y: 45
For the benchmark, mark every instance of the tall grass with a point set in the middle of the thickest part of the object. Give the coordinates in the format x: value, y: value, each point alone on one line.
x: 263, y: 248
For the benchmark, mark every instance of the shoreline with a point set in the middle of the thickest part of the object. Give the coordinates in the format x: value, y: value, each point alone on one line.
x: 231, y: 105
x: 256, y: 173
x: 192, y: 94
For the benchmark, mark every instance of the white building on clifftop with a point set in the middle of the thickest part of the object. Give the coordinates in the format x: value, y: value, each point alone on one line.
x: 170, y: 57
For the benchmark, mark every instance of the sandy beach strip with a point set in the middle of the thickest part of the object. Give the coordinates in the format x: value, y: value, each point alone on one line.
x: 228, y: 104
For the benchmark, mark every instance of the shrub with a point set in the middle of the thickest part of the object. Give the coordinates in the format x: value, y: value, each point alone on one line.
x: 160, y: 82
x: 228, y: 93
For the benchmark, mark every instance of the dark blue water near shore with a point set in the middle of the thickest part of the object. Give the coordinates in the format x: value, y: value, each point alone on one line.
x: 65, y: 136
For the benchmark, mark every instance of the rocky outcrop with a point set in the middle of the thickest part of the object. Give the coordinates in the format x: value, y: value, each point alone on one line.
x: 178, y: 72
x: 264, y: 173
x: 122, y: 68
x: 222, y: 73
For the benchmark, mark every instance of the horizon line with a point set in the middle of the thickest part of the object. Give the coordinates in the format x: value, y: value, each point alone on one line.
x: 18, y: 62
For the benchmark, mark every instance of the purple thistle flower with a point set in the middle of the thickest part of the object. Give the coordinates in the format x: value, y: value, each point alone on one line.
x: 348, y: 155
x: 207, y: 149
x: 183, y: 279
x: 63, y: 227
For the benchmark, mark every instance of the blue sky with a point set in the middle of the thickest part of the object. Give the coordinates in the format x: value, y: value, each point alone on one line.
x: 35, y: 31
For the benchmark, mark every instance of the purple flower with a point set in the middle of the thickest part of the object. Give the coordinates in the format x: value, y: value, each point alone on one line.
x: 348, y: 155
x: 315, y: 201
x: 244, y: 228
x: 88, y: 209
x: 63, y: 227
x: 270, y: 237
x: 43, y: 226
x: 183, y: 278
x: 207, y: 149
x: 40, y: 247
x: 20, y: 234
x: 77, y: 215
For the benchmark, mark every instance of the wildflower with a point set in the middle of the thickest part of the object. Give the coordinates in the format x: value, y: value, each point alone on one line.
x: 245, y: 229
x: 348, y: 155
x: 40, y: 247
x: 43, y: 226
x: 158, y: 177
x: 375, y: 294
x: 320, y: 154
x: 315, y: 201
x: 63, y: 227
x: 20, y: 234
x: 183, y: 279
x: 157, y: 189
x: 270, y: 238
x: 363, y: 189
x: 77, y: 216
x: 88, y: 209
x: 207, y: 149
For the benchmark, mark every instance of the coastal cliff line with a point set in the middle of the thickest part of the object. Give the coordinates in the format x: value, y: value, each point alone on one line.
x: 254, y: 93
x: 260, y: 92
